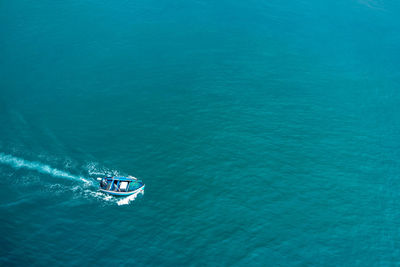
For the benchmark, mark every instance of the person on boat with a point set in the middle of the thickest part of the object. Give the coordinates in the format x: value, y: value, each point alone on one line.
x: 103, y: 183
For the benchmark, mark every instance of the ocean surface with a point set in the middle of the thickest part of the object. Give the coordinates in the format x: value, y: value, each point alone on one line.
x: 267, y: 132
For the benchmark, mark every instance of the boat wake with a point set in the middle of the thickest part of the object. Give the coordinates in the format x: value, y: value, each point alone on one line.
x: 86, y: 191
x: 19, y: 163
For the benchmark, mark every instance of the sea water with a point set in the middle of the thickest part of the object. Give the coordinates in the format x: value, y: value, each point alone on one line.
x: 266, y: 132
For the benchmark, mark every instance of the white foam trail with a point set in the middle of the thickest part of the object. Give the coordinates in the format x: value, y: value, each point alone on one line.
x: 93, y: 168
x: 19, y: 163
x: 130, y: 198
x: 37, y: 166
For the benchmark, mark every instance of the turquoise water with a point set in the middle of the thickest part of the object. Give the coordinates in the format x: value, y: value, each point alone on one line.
x: 266, y: 132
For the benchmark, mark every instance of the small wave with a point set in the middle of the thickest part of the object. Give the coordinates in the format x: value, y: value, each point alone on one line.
x: 129, y: 199
x: 104, y: 198
x: 372, y: 4
x: 93, y: 168
x: 19, y: 163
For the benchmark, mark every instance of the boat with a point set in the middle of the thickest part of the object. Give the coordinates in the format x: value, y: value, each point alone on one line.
x: 120, y: 186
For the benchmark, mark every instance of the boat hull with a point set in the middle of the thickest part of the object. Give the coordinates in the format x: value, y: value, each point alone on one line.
x: 122, y: 194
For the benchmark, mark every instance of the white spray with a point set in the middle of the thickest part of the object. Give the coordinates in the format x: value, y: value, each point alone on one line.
x: 37, y: 166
